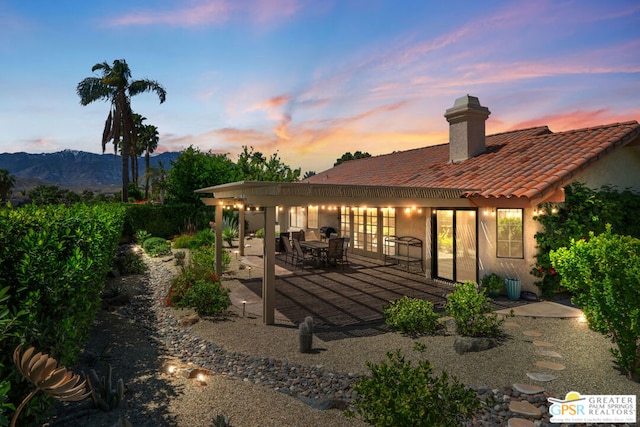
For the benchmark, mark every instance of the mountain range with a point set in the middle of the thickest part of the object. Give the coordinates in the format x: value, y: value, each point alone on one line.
x: 73, y: 170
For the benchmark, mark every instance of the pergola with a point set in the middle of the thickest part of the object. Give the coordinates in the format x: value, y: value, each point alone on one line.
x: 269, y: 195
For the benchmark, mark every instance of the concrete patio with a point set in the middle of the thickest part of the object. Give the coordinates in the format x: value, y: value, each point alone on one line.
x: 333, y: 296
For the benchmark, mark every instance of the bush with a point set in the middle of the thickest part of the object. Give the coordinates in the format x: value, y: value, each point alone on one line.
x: 141, y: 236
x: 208, y: 298
x: 472, y: 312
x: 54, y: 259
x: 604, y: 275
x: 156, y: 246
x: 260, y: 233
x: 411, y: 316
x: 202, y: 238
x: 129, y: 262
x: 229, y: 230
x: 492, y: 283
x: 183, y: 241
x: 165, y: 220
x: 400, y: 394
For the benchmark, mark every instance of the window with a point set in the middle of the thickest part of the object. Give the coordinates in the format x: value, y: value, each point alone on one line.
x: 509, y: 233
x: 296, y: 217
x: 345, y: 221
x: 389, y: 227
x: 312, y: 217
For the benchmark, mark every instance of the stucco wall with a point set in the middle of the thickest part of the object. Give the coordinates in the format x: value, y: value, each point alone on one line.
x: 620, y: 168
x: 516, y: 268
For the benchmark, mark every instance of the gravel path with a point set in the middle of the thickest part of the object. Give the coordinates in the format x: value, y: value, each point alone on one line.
x: 258, y: 377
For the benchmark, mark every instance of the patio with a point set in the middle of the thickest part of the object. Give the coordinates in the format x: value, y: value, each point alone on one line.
x: 337, y: 299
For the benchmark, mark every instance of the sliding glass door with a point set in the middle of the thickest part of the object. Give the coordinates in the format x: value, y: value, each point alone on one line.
x: 455, y: 245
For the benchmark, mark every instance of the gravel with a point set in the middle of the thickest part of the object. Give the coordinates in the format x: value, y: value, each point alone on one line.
x: 257, y: 376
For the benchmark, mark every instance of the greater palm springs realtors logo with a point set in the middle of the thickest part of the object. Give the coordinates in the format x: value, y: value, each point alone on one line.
x: 576, y: 408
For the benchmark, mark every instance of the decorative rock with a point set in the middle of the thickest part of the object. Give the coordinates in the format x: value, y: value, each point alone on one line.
x: 550, y: 365
x: 532, y: 333
x: 189, y: 320
x: 470, y: 344
x: 520, y: 422
x: 549, y: 353
x: 523, y: 407
x: 541, y: 377
x: 542, y: 343
x: 528, y: 389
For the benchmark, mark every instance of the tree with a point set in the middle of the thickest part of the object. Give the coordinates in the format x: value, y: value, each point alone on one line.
x: 308, y: 174
x: 254, y: 166
x: 348, y: 156
x: 115, y: 85
x: 6, y: 184
x: 194, y: 169
x: 149, y: 140
x: 157, y: 178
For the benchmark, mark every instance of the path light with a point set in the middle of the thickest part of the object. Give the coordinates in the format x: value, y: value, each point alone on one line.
x: 244, y: 306
x: 236, y: 252
x: 171, y: 369
x: 201, y: 378
x: 249, y: 269
x: 43, y: 372
x: 582, y: 319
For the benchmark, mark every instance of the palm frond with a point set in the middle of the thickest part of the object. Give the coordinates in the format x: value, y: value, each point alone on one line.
x: 146, y: 85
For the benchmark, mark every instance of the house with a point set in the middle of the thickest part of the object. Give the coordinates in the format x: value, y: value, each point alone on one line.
x: 467, y: 205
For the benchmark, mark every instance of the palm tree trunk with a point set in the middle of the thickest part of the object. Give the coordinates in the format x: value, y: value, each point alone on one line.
x: 125, y: 169
x: 146, y: 174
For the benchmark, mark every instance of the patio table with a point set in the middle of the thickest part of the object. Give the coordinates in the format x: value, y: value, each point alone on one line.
x: 316, y: 247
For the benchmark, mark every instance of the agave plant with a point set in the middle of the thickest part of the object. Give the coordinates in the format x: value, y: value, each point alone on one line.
x: 43, y: 372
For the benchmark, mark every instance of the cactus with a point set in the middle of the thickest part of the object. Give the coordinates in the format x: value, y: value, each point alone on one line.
x: 221, y: 421
x: 103, y: 394
x: 305, y: 332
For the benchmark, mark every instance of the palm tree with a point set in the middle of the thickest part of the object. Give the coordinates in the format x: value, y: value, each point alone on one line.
x: 6, y: 184
x: 115, y: 85
x: 149, y: 142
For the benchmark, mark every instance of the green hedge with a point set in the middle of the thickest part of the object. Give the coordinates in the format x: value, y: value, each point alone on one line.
x: 54, y: 259
x: 166, y: 220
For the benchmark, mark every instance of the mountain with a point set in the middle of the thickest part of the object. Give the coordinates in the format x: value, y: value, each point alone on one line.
x: 73, y: 170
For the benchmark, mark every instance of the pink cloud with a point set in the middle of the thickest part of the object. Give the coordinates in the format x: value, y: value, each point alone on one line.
x: 213, y: 12
x: 577, y: 119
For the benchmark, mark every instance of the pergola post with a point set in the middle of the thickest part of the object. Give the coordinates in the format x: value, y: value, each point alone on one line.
x: 218, y: 243
x: 269, y: 259
x: 241, y: 230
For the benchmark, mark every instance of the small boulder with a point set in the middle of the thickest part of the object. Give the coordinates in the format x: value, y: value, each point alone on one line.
x: 189, y: 320
x: 471, y: 344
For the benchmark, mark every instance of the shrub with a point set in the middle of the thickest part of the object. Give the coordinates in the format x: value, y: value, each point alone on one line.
x: 141, y: 236
x: 203, y: 238
x: 208, y: 298
x: 411, y: 316
x: 156, y: 246
x: 129, y: 262
x: 400, y: 394
x: 260, y: 233
x: 229, y: 230
x: 492, y: 283
x: 472, y: 312
x: 604, y: 275
x: 182, y: 241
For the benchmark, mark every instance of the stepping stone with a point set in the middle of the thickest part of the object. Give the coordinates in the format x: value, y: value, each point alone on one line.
x: 542, y: 344
x: 549, y: 353
x: 528, y: 388
x: 549, y: 365
x: 532, y: 333
x: 541, y: 377
x: 523, y: 407
x: 520, y: 422
x: 510, y: 325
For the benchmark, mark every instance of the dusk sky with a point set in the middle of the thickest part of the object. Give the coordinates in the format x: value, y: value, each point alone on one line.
x: 315, y: 79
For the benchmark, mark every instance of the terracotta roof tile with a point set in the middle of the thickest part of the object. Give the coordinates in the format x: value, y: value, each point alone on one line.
x: 530, y: 163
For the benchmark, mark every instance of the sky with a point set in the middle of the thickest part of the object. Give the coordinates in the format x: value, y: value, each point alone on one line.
x: 313, y: 79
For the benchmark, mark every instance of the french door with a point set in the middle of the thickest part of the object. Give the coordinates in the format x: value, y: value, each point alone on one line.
x: 455, y: 245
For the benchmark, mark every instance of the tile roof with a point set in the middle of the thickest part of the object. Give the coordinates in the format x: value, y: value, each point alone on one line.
x: 531, y: 163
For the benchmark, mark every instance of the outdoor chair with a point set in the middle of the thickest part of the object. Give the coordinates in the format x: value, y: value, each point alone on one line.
x: 288, y: 250
x: 345, y: 246
x: 335, y: 251
x: 300, y: 257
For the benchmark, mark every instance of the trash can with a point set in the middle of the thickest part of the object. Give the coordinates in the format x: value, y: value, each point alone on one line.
x: 513, y: 289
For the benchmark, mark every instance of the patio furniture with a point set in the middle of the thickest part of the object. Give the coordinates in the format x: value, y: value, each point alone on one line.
x: 288, y: 250
x: 347, y: 239
x: 403, y: 250
x: 316, y: 248
x: 335, y: 251
x: 299, y: 256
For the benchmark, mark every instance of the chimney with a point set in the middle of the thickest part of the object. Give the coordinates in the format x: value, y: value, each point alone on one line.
x: 466, y: 128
